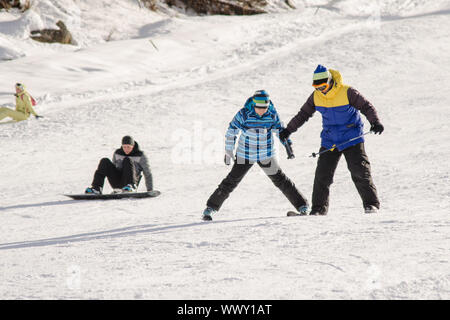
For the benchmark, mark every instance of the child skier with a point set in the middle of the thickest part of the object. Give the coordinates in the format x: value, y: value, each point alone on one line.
x: 124, y: 171
x: 255, y: 121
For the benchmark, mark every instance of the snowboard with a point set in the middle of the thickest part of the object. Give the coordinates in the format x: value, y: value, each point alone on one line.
x: 9, y: 121
x: 112, y: 196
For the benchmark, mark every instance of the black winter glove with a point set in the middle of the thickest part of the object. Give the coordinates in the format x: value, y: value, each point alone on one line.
x: 37, y: 117
x: 376, y: 127
x: 284, y: 134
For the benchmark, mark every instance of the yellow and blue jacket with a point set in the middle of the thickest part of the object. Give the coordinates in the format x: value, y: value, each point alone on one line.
x: 340, y: 108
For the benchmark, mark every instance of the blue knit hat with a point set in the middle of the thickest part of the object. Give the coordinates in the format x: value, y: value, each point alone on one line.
x: 261, y: 99
x: 321, y: 75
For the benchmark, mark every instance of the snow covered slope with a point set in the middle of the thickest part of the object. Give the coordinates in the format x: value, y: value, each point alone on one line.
x: 174, y: 82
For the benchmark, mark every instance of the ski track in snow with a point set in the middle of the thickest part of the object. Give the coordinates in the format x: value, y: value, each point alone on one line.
x: 55, y: 248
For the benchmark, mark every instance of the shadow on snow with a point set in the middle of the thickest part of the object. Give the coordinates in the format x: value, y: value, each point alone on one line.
x: 115, y: 233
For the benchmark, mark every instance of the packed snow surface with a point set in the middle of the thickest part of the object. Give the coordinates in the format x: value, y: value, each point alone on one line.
x: 174, y: 81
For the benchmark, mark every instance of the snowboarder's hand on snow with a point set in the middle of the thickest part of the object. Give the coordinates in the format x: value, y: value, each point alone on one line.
x: 376, y: 127
x: 37, y: 117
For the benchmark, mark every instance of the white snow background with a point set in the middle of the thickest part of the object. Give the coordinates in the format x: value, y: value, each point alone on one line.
x: 174, y: 81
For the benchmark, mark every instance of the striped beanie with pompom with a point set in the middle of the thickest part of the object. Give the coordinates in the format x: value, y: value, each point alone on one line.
x: 320, y: 75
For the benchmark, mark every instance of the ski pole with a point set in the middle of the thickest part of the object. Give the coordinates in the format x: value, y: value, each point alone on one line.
x: 336, y: 146
x: 289, y: 151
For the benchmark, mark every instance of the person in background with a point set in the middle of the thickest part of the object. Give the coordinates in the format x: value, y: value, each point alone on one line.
x: 124, y: 171
x: 24, y: 106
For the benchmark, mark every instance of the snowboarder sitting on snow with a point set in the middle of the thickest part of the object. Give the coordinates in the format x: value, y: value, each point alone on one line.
x: 340, y: 106
x: 256, y: 121
x: 124, y: 171
x: 24, y: 106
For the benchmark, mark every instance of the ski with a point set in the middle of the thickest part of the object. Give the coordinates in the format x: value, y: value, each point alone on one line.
x: 294, y: 214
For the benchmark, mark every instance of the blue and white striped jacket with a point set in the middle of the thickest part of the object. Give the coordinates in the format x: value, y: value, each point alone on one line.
x: 256, y: 141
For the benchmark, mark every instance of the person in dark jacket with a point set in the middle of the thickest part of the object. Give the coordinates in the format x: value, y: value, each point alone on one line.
x: 124, y: 171
x: 255, y: 124
x: 340, y: 106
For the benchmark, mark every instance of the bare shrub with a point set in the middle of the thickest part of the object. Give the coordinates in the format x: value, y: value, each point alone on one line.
x: 8, y: 4
x: 225, y: 7
x: 149, y: 4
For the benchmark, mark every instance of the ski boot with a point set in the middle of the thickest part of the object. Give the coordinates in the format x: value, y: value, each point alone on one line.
x: 302, y: 211
x: 129, y: 188
x: 93, y: 190
x: 370, y: 209
x: 318, y: 211
x: 207, y: 214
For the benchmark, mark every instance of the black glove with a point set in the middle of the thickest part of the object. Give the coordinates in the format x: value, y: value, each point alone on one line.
x: 37, y: 117
x: 376, y: 127
x: 284, y: 134
x: 227, y: 158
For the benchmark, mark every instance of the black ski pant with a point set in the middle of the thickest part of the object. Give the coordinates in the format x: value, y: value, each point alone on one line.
x: 270, y: 168
x: 118, y: 178
x: 359, y: 166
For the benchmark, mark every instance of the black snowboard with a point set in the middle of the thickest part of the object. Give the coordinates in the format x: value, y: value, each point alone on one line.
x: 110, y: 196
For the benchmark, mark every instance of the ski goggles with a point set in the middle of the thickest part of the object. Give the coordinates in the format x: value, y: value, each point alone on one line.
x: 261, y: 103
x: 321, y: 87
